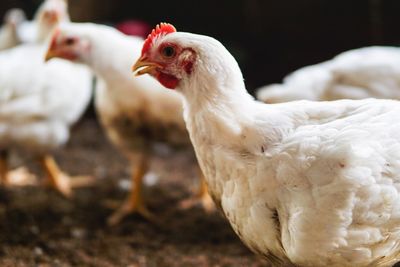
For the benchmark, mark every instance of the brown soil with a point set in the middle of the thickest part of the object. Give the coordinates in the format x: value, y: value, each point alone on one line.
x: 38, y: 227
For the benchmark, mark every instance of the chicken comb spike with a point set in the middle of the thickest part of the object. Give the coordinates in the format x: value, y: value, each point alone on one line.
x: 161, y: 29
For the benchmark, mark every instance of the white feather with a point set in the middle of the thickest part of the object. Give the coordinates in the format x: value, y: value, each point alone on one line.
x: 355, y: 74
x: 8, y: 31
x: 38, y: 101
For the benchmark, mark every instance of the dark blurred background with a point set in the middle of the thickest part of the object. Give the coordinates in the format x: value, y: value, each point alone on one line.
x: 268, y: 38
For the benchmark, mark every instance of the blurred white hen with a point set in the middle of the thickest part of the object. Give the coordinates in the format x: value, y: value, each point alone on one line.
x: 39, y: 102
x: 17, y: 30
x: 8, y: 32
x: 355, y: 74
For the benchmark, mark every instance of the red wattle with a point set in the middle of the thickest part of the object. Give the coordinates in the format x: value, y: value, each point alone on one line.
x: 167, y: 80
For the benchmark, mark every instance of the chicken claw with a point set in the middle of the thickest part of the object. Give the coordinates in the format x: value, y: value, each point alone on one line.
x: 201, y: 197
x: 134, y: 203
x: 17, y: 177
x: 131, y: 205
x: 20, y: 177
x: 60, y: 181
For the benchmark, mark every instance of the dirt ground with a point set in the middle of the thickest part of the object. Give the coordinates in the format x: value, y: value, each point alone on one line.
x: 38, y: 227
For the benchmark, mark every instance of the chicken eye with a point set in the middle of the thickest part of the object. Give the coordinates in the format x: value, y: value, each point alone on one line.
x: 70, y: 41
x: 168, y: 51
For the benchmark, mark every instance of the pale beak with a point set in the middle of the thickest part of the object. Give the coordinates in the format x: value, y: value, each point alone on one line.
x: 49, y: 55
x: 144, y: 66
x: 51, y: 50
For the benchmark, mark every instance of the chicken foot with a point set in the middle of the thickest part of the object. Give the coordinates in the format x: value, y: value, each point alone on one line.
x: 60, y: 181
x: 200, y: 197
x: 18, y: 177
x: 135, y: 202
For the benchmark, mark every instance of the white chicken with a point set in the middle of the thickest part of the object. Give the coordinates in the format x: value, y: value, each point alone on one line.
x: 8, y: 31
x: 49, y: 13
x: 302, y: 183
x: 355, y: 74
x: 39, y: 102
x: 17, y: 30
x: 135, y: 113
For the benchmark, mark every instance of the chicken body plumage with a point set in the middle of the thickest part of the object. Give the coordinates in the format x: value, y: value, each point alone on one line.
x: 302, y: 183
x: 355, y: 74
x: 8, y: 37
x: 9, y: 30
x: 38, y: 101
x: 322, y: 191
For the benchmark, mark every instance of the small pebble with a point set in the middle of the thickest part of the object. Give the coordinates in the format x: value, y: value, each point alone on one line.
x: 78, y: 233
x: 35, y: 230
x: 125, y: 184
x: 38, y: 251
x: 150, y: 179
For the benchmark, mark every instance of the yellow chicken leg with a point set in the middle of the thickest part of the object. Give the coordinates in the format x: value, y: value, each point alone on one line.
x: 205, y: 198
x: 201, y: 197
x: 134, y: 203
x: 60, y: 181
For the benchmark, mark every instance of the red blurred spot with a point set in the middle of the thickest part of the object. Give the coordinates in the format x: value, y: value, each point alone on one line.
x: 134, y: 28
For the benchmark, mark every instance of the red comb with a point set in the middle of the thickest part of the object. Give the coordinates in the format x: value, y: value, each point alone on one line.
x: 160, y: 29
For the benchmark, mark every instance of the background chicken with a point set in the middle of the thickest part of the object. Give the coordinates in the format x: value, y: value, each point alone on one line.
x: 8, y: 32
x: 304, y: 183
x: 355, y: 74
x: 39, y: 102
x: 135, y: 113
x: 17, y: 29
